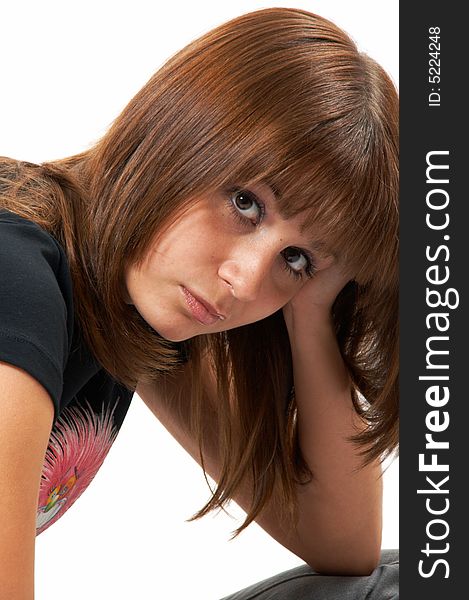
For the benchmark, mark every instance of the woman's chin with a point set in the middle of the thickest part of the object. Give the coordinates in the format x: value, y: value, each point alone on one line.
x: 173, y: 334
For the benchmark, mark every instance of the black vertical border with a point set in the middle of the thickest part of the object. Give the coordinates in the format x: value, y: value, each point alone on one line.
x: 424, y: 129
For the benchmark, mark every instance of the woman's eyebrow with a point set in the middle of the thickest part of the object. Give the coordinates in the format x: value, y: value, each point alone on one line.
x: 266, y: 187
x: 275, y: 191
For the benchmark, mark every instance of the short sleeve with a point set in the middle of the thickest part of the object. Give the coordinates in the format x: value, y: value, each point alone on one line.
x: 35, y: 302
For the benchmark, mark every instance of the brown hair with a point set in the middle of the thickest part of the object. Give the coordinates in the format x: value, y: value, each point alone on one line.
x: 279, y: 96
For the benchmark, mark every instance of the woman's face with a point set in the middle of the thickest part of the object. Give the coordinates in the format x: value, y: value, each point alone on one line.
x: 229, y: 260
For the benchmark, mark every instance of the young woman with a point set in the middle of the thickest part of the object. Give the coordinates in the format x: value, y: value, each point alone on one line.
x: 228, y: 250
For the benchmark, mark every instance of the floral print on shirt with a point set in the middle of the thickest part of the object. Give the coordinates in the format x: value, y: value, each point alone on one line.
x: 78, y: 445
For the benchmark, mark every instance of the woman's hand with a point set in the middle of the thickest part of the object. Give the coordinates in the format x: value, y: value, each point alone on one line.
x: 313, y: 302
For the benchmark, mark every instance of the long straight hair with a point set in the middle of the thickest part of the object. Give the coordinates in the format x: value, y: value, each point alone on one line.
x: 280, y: 96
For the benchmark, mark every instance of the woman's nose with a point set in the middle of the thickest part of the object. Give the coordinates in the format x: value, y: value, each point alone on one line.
x: 246, y: 272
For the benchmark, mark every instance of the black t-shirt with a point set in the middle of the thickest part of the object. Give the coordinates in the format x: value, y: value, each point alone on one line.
x: 38, y: 333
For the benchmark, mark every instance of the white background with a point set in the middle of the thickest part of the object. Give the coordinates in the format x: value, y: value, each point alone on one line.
x: 68, y: 69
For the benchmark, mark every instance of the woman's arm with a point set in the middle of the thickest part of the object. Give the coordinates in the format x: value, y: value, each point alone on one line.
x: 340, y: 510
x: 26, y: 414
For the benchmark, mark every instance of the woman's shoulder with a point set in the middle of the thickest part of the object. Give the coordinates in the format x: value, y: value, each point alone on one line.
x: 23, y: 237
x: 33, y: 265
x: 36, y: 301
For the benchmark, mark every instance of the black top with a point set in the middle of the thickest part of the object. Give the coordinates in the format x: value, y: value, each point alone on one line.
x: 38, y: 333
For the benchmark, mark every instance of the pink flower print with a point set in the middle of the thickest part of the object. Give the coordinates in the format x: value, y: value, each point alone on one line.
x: 78, y: 445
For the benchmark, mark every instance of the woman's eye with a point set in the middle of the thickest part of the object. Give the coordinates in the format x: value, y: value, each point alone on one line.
x: 298, y: 263
x: 247, y: 206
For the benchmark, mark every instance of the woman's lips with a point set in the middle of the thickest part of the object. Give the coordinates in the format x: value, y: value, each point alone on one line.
x: 198, y: 310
